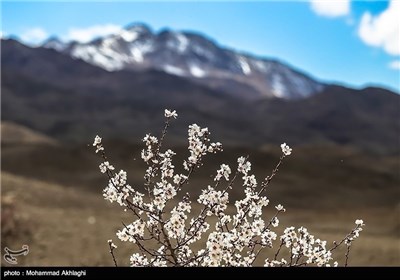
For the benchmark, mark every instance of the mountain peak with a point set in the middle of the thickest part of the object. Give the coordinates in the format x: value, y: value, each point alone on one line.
x: 53, y: 42
x: 195, y: 57
x: 138, y: 27
x: 53, y: 38
x: 134, y: 31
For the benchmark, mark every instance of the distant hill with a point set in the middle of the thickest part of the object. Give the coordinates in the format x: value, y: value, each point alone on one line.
x: 16, y: 134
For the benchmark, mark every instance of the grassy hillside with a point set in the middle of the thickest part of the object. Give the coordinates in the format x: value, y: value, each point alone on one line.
x: 328, y: 176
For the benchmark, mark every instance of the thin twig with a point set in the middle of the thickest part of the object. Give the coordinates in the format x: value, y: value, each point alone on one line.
x: 110, y: 244
x: 347, y: 255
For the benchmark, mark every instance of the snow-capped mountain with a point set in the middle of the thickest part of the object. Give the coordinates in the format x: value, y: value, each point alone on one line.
x: 192, y: 56
x: 54, y: 43
x: 72, y: 100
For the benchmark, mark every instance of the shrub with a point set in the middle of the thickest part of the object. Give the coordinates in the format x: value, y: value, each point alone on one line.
x: 13, y: 226
x: 167, y: 238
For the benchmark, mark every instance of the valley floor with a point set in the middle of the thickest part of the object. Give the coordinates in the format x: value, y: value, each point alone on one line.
x: 66, y: 226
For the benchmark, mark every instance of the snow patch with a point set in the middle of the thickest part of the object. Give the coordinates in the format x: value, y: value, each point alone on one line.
x: 108, y: 42
x: 83, y: 52
x: 137, y: 54
x: 138, y: 50
x: 203, y: 52
x: 129, y: 36
x: 197, y: 71
x: 178, y: 42
x: 107, y: 62
x: 261, y: 65
x: 183, y: 42
x: 173, y: 70
x: 278, y: 87
x: 244, y: 65
x: 92, y: 55
x: 146, y: 46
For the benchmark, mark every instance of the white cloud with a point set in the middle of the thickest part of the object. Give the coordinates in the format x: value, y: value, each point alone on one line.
x: 87, y: 34
x: 331, y: 8
x: 395, y: 64
x: 3, y: 35
x: 382, y: 30
x: 34, y: 35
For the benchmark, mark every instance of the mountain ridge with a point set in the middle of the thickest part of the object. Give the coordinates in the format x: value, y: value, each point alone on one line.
x: 72, y: 101
x: 194, y: 56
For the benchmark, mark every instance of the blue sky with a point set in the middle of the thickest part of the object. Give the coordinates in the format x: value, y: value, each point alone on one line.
x: 354, y: 43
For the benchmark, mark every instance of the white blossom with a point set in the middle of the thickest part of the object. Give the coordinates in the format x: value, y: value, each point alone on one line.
x: 243, y: 165
x: 112, y: 245
x: 122, y: 235
x: 150, y: 140
x: 224, y: 171
x: 97, y: 144
x: 110, y: 193
x: 105, y: 166
x: 359, y: 222
x: 275, y: 222
x: 137, y: 260
x: 250, y: 181
x: 97, y: 140
x: 179, y: 178
x: 286, y: 150
x: 267, y: 237
x: 170, y: 114
x: 158, y: 262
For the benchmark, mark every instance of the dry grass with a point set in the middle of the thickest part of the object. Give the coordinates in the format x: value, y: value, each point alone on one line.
x: 14, y: 133
x: 70, y: 226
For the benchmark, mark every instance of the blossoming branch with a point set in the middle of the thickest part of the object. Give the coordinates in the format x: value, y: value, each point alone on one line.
x: 167, y: 238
